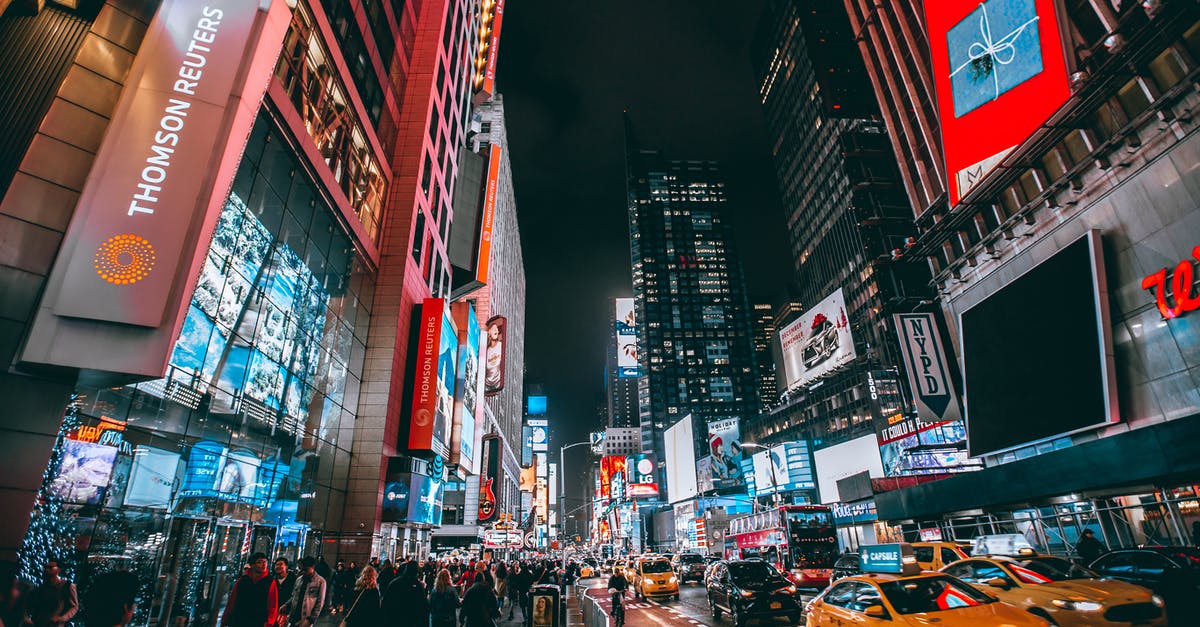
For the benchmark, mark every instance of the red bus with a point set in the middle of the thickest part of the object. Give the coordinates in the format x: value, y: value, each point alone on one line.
x: 800, y: 540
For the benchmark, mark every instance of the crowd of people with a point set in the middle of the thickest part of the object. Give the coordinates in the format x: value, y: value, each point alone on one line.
x: 410, y: 593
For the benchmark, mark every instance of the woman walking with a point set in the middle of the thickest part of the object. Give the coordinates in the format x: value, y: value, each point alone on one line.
x: 500, y: 574
x: 365, y: 610
x: 443, y: 601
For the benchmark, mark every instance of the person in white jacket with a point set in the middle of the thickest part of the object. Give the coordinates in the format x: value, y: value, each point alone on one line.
x: 309, y: 597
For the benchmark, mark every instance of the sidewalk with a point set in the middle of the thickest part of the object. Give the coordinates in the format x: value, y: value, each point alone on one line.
x: 574, y: 616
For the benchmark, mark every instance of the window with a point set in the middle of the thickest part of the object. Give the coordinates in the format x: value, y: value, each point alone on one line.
x: 1148, y: 563
x: 1116, y: 564
x: 923, y: 554
x: 948, y: 556
x: 865, y: 596
x: 841, y: 595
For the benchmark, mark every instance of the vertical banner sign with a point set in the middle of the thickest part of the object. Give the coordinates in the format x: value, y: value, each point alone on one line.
x: 153, y: 180
x: 626, y: 332
x: 489, y: 478
x: 928, y: 374
x: 483, y: 258
x: 433, y: 396
x: 1000, y: 71
x: 497, y: 336
x: 489, y: 72
x: 466, y: 387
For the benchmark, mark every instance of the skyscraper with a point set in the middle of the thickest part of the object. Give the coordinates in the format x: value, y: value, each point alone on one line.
x: 621, y: 371
x: 764, y: 360
x: 694, y: 339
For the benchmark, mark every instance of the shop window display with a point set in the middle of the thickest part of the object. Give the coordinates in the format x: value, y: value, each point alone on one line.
x: 239, y: 448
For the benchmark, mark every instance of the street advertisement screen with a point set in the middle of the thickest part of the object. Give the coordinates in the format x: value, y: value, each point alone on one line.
x: 679, y: 440
x: 596, y: 438
x: 552, y: 482
x: 152, y: 477
x: 999, y: 72
x: 435, y: 364
x: 489, y: 478
x: 1051, y: 373
x: 84, y: 472
x: 938, y: 449
x: 466, y: 387
x: 642, y: 482
x: 725, y: 453
x: 843, y: 460
x: 235, y: 475
x: 541, y: 434
x: 412, y: 498
x: 612, y: 476
x: 817, y: 342
x: 526, y: 445
x: 782, y: 468
x: 497, y: 337
x: 528, y: 479
x: 626, y: 326
x: 536, y: 406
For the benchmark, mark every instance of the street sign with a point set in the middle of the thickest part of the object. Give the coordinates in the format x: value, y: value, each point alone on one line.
x: 530, y: 541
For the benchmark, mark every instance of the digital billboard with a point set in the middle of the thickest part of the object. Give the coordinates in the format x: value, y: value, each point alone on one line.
x: 725, y: 453
x: 641, y: 477
x: 817, y: 342
x: 84, y: 472
x: 412, y: 498
x: 152, y: 477
x: 435, y: 365
x: 497, y: 337
x: 526, y: 445
x: 1053, y: 373
x: 552, y: 482
x: 596, y: 438
x: 679, y: 440
x: 843, y: 460
x: 612, y: 476
x: 536, y: 406
x: 541, y: 434
x: 783, y: 468
x: 999, y: 73
x: 626, y: 331
x: 235, y: 475
x: 467, y: 389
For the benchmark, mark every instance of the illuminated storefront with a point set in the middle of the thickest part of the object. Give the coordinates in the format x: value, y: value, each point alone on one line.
x: 239, y: 447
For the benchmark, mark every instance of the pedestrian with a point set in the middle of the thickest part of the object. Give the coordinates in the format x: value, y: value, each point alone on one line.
x: 308, y: 598
x: 326, y: 573
x: 479, y: 604
x: 404, y: 601
x: 443, y: 601
x: 254, y: 599
x: 112, y: 600
x: 515, y: 576
x: 366, y: 610
x: 1089, y: 548
x: 285, y: 580
x: 55, y: 602
x: 386, y: 573
x: 11, y: 612
x: 500, y: 575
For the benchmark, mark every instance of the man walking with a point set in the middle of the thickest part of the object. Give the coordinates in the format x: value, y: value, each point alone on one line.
x: 254, y: 600
x: 1089, y: 548
x: 309, y: 597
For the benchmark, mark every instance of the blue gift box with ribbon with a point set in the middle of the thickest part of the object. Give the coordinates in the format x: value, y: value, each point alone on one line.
x: 992, y: 50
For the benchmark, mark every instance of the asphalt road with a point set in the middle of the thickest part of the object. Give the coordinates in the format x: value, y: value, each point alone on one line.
x: 690, y: 609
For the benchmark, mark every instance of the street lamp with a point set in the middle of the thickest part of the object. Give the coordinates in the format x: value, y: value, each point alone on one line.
x: 774, y: 484
x: 562, y: 494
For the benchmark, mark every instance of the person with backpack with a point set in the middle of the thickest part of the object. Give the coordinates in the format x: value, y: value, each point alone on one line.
x: 479, y: 606
x: 254, y: 599
x: 443, y: 601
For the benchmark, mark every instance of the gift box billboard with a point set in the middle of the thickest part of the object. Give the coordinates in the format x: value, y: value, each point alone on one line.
x: 1000, y: 72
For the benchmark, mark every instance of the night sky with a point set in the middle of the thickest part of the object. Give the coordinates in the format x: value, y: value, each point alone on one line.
x: 566, y: 72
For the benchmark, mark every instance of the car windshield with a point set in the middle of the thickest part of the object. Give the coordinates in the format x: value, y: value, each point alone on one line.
x: 656, y: 566
x: 1039, y: 570
x: 754, y: 574
x: 931, y: 594
x: 691, y: 559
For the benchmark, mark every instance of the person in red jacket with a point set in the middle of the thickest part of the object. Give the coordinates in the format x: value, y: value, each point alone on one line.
x: 254, y: 600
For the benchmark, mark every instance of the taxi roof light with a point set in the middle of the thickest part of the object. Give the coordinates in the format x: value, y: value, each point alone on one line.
x: 896, y: 559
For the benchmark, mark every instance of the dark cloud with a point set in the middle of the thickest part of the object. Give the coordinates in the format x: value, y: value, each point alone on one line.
x: 567, y: 70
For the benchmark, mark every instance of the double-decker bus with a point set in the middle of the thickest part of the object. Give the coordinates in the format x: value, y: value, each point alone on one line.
x: 800, y: 540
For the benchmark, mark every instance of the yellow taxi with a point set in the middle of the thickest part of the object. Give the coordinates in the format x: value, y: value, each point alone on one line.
x: 654, y: 578
x: 893, y: 591
x: 935, y: 555
x: 1060, y: 591
x: 619, y: 567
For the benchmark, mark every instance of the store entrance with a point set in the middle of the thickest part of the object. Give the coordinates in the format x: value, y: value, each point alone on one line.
x: 202, y: 560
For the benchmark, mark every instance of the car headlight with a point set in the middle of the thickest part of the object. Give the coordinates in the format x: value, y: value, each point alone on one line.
x: 1157, y: 600
x: 1077, y: 606
x: 790, y: 589
x: 746, y: 594
x: 673, y: 579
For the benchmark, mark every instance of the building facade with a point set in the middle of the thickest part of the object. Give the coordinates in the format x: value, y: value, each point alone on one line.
x: 695, y: 350
x: 763, y: 319
x: 1103, y: 163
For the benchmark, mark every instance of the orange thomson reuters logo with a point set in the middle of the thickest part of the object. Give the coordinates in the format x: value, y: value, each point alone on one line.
x: 124, y: 259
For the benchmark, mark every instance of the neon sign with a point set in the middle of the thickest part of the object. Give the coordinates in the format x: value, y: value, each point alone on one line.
x: 1182, y: 284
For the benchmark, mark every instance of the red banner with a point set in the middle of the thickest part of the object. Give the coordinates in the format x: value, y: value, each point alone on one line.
x: 425, y: 383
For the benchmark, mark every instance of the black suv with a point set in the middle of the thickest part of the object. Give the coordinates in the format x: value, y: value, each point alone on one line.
x: 689, y: 567
x: 846, y: 566
x: 750, y: 589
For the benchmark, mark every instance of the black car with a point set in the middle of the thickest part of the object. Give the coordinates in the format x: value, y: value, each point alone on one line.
x: 689, y: 567
x: 847, y: 565
x: 751, y: 589
x: 1171, y: 571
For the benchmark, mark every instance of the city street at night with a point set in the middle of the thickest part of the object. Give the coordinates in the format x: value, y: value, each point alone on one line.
x: 425, y: 313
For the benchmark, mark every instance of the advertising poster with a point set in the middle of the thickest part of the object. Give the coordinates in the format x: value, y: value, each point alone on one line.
x: 543, y: 610
x: 681, y: 461
x: 725, y: 450
x: 541, y: 434
x: 552, y: 482
x: 435, y: 364
x: 84, y: 472
x: 783, y: 468
x: 928, y: 372
x: 425, y: 500
x: 704, y: 475
x: 817, y: 342
x: 596, y: 438
x: 536, y: 406
x: 151, y: 477
x: 526, y: 445
x: 999, y: 72
x: 612, y: 476
x: 497, y: 336
x: 642, y: 481
x: 466, y: 387
x: 528, y: 479
x: 489, y: 478
x: 626, y: 326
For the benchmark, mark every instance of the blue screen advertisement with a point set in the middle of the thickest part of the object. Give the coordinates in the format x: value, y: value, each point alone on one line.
x: 468, y: 387
x: 235, y: 475
x: 537, y: 406
x: 413, y: 498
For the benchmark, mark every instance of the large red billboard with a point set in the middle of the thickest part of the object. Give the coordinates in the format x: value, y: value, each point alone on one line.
x: 483, y: 258
x: 1000, y: 72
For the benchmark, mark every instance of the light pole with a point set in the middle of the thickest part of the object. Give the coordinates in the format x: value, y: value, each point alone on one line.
x: 562, y: 495
x: 774, y: 484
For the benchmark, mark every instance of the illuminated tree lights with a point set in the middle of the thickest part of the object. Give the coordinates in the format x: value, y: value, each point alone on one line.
x: 51, y: 532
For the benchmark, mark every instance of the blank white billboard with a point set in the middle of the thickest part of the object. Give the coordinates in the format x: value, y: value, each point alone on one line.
x: 681, y: 461
x: 843, y: 460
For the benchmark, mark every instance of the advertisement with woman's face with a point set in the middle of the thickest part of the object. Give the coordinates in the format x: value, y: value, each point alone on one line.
x: 497, y: 332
